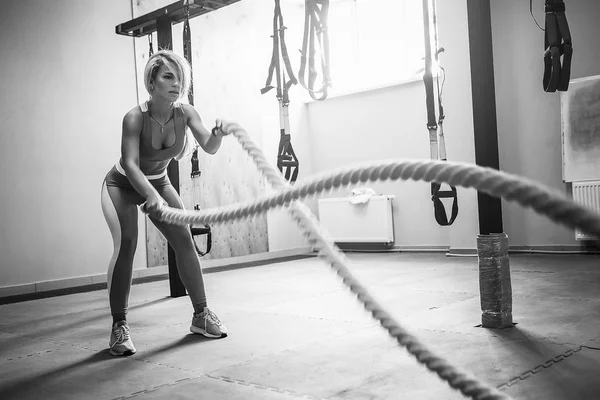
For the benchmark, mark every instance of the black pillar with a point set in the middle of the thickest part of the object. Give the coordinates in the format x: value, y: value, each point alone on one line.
x: 165, y: 41
x: 484, y: 108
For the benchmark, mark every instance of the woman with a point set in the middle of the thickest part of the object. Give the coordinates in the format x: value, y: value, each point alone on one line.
x: 153, y: 134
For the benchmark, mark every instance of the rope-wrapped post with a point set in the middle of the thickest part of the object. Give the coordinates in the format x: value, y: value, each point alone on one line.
x: 494, y: 281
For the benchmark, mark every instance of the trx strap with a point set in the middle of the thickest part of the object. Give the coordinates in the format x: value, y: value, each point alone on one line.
x: 204, y: 230
x: 187, y: 53
x: 150, y: 49
x: 557, y: 43
x: 437, y: 149
x: 315, y: 28
x: 287, y: 162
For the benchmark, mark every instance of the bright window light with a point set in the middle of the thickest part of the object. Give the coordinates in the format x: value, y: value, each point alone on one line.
x: 374, y: 43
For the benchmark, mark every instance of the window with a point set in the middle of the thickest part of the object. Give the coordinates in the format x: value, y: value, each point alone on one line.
x: 374, y: 43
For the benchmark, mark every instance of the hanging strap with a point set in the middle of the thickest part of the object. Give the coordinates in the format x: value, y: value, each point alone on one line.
x: 187, y: 49
x: 287, y: 162
x: 196, y: 231
x: 187, y: 54
x: 557, y: 44
x: 437, y: 149
x: 315, y: 28
x: 150, y: 47
x: 275, y: 66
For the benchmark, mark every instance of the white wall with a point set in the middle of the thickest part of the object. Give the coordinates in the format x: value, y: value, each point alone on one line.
x: 391, y: 123
x: 232, y: 49
x: 529, y: 126
x: 62, y: 122
x: 67, y: 80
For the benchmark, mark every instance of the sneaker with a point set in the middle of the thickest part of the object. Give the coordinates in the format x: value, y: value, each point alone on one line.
x: 208, y: 324
x: 120, y: 340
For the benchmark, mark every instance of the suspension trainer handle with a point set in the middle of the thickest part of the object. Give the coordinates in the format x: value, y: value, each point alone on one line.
x: 437, y: 148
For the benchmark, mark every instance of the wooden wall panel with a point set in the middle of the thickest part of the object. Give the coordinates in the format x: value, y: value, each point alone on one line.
x: 156, y: 246
x: 227, y: 177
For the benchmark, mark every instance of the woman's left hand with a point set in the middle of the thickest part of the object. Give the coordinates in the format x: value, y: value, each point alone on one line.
x: 224, y: 128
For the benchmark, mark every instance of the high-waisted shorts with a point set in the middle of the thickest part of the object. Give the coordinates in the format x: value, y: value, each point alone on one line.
x: 116, y: 178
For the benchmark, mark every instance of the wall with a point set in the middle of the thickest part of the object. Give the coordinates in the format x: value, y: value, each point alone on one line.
x: 231, y: 53
x: 67, y: 80
x: 83, y: 85
x: 391, y: 123
x: 356, y: 128
x: 529, y: 118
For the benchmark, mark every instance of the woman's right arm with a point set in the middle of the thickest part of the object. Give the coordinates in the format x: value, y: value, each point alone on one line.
x: 130, y: 157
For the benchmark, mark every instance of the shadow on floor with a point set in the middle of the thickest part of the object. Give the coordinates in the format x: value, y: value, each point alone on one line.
x: 33, y: 386
x: 524, y: 339
x: 89, y: 369
x: 188, y: 340
x: 91, y: 315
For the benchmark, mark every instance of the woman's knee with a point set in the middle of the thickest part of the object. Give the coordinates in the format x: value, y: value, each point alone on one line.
x: 181, y: 240
x: 129, y: 237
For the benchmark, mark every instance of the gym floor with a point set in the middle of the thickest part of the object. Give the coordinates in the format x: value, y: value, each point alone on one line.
x: 295, y: 331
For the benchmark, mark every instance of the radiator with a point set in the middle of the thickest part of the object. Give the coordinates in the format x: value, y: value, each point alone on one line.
x: 371, y: 222
x: 587, y: 194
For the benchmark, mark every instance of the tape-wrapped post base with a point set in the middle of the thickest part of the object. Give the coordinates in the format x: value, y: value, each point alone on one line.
x: 494, y: 281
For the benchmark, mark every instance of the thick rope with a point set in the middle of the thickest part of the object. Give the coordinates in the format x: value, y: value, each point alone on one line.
x: 544, y: 201
x: 486, y: 180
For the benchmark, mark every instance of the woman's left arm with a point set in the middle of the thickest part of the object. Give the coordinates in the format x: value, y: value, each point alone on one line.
x: 210, y: 141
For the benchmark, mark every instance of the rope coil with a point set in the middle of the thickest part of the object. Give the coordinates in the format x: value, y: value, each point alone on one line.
x: 487, y: 180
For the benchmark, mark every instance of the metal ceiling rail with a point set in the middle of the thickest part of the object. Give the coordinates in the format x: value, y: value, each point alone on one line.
x: 174, y: 13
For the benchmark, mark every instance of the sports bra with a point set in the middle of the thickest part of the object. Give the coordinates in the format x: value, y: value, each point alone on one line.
x: 154, y: 162
x: 147, y: 151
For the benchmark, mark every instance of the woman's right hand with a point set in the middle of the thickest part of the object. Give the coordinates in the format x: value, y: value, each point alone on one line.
x: 154, y: 204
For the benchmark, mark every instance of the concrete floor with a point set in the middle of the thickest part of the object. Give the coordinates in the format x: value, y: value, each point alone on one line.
x: 297, y: 332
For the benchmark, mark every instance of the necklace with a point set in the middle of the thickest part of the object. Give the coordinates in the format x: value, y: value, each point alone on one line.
x: 162, y: 126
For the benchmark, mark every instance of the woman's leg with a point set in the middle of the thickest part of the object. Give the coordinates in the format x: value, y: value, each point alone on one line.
x: 180, y: 239
x: 204, y: 322
x: 121, y: 214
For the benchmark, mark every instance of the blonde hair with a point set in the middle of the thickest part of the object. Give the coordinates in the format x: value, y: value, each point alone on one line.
x: 178, y: 65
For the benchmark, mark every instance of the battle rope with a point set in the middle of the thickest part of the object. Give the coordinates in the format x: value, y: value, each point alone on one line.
x: 488, y: 180
x: 455, y: 377
x: 491, y: 181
